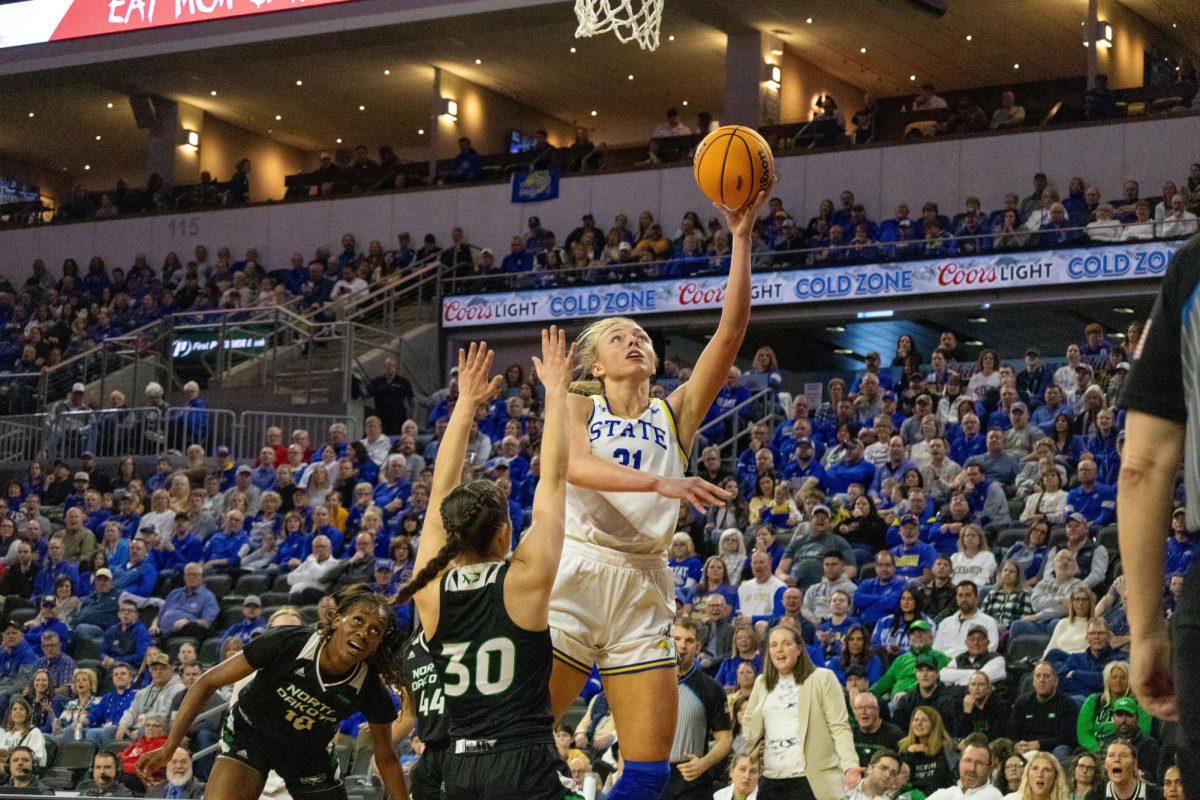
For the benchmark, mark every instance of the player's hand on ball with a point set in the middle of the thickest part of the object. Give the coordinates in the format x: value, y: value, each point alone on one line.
x: 699, y: 493
x: 152, y: 763
x: 740, y: 221
x: 474, y: 364
x: 555, y: 365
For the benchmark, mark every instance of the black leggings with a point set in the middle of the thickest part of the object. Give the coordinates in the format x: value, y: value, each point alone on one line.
x: 1187, y: 681
x: 785, y: 789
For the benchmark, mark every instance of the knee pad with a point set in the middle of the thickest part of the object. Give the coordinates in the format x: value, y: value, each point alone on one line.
x: 641, y: 780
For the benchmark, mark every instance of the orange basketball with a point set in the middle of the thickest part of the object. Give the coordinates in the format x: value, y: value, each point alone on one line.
x: 733, y: 164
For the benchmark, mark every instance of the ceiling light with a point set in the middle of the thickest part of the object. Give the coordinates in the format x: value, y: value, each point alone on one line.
x: 270, y: 130
x: 572, y: 49
x: 362, y: 108
x: 808, y: 21
x: 630, y: 77
x: 420, y: 131
x: 977, y: 320
x: 1173, y: 25
x: 449, y: 109
x: 776, y: 46
x: 387, y: 72
x: 213, y: 92
x: 671, y: 38
x: 31, y: 115
x: 192, y: 139
x: 593, y: 112
x: 278, y: 117
x: 842, y: 351
x: 912, y: 77
x: 862, y: 50
x: 1016, y: 66
x: 835, y: 329
x: 97, y: 137
x: 478, y: 61
x: 973, y: 343
x: 881, y: 314
x: 685, y: 102
x: 1123, y: 310
x: 110, y: 105
x: 339, y: 140
x: 87, y: 166
x: 299, y: 83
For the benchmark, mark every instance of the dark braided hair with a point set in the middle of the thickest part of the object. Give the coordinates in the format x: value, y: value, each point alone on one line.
x: 386, y: 660
x: 471, y: 515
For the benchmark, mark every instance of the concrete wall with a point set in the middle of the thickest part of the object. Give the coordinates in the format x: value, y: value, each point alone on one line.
x: 1150, y: 150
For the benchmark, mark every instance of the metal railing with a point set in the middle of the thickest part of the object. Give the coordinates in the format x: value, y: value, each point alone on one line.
x: 758, y: 407
x: 703, y: 263
x: 148, y: 432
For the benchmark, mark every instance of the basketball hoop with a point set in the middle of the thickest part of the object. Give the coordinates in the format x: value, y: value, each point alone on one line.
x: 629, y: 20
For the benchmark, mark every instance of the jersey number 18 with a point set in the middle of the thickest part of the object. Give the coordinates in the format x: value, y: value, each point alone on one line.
x: 458, y: 677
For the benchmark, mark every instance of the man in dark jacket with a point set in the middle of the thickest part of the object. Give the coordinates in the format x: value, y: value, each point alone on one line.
x: 98, y: 611
x: 930, y: 691
x: 393, y: 396
x: 16, y: 662
x: 1045, y: 718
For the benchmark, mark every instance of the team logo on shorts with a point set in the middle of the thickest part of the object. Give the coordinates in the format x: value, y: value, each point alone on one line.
x: 666, y: 645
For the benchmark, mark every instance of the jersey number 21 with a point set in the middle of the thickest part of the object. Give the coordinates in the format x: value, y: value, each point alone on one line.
x: 627, y: 459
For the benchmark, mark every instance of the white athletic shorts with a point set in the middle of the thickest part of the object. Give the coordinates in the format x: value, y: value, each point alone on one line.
x: 612, y: 609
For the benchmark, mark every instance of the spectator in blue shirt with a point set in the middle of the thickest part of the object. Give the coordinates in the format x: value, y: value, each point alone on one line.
x: 98, y: 611
x: 58, y: 665
x: 893, y: 469
x: 107, y: 715
x: 224, y: 549
x: 16, y: 662
x: 467, y: 165
x: 295, y: 546
x: 1096, y: 501
x: 263, y: 476
x: 518, y: 259
x: 1181, y: 550
x: 50, y: 622
x: 187, y: 611
x: 251, y: 621
x: 1034, y: 379
x: 54, y: 566
x: 1058, y: 231
x: 878, y: 597
x: 914, y: 559
x: 127, y: 514
x: 161, y: 476
x: 181, y: 548
x: 851, y: 469
x: 138, y: 576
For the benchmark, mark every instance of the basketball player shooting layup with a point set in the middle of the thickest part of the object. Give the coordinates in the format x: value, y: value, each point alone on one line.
x: 487, y: 621
x: 614, y: 599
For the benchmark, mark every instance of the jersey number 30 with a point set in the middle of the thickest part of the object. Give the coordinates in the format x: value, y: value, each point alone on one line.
x: 488, y: 680
x: 627, y: 459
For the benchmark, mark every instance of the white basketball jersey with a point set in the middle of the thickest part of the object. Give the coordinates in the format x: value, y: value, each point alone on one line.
x: 630, y: 522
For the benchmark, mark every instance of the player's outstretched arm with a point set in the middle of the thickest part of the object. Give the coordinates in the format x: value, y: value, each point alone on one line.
x: 1153, y: 450
x: 692, y: 400
x: 196, y: 700
x: 535, y: 562
x: 474, y: 387
x: 386, y: 761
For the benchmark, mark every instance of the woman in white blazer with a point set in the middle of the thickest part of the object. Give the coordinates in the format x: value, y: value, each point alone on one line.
x: 796, y: 719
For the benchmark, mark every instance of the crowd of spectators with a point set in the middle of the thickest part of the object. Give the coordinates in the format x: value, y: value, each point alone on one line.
x: 938, y: 530
x: 50, y: 318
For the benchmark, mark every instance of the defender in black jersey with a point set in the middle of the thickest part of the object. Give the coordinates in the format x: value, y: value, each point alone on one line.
x: 306, y: 681
x: 487, y: 621
x: 429, y: 712
x: 1162, y: 428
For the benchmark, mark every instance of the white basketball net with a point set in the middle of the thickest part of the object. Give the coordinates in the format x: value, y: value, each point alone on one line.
x: 629, y: 20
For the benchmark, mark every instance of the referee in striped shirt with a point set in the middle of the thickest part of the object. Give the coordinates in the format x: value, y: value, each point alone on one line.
x: 702, y: 717
x: 1162, y: 428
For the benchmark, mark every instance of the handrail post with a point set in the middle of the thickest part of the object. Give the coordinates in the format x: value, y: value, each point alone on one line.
x: 348, y: 372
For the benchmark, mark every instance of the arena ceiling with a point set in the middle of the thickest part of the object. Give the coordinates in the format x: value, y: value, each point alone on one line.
x: 526, y: 54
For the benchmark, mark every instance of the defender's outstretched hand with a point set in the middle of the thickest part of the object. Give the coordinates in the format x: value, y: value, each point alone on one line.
x: 555, y: 365
x: 474, y: 364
